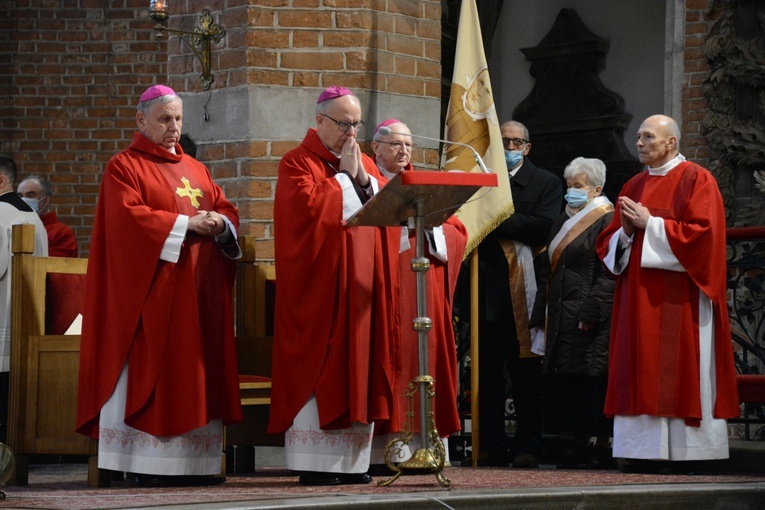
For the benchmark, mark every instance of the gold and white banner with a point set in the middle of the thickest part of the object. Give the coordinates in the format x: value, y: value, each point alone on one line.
x: 471, y: 119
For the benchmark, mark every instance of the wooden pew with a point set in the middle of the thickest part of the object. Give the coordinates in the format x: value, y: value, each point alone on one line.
x: 255, y: 286
x: 254, y: 295
x: 44, y: 362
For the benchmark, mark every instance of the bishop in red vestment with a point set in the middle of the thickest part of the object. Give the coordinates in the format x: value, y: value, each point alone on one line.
x: 671, y: 378
x: 158, y: 370
x: 330, y: 379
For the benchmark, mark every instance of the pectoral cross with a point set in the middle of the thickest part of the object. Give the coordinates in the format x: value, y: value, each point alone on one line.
x: 188, y: 191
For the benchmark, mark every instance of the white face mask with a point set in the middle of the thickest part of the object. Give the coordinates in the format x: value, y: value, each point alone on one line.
x: 33, y: 203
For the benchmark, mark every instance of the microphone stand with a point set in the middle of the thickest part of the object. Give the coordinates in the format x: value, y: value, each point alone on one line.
x: 385, y: 131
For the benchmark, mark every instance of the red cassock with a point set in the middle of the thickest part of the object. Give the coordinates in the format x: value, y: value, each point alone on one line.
x: 333, y: 313
x: 61, y: 239
x: 654, y: 354
x: 171, y: 322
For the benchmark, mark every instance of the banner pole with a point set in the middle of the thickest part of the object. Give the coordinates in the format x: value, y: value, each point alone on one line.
x: 475, y: 394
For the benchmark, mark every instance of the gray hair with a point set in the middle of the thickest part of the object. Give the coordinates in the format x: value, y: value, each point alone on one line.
x: 515, y: 123
x: 47, y: 189
x: 593, y: 168
x: 674, y: 130
x: 144, y: 106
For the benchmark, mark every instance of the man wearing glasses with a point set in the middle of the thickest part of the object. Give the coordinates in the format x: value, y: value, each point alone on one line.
x: 444, y: 248
x: 507, y: 282
x: 329, y: 363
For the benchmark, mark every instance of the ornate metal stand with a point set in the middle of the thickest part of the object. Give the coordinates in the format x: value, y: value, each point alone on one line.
x: 427, y: 459
x: 424, y: 198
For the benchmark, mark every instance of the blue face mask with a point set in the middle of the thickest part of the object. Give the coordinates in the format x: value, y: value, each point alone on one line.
x: 33, y: 203
x: 577, y: 197
x: 512, y: 158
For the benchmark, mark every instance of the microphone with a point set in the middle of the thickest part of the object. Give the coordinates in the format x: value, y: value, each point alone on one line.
x: 385, y: 131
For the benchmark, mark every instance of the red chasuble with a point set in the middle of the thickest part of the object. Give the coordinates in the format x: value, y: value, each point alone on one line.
x: 171, y: 322
x: 332, y: 310
x: 654, y: 356
x: 61, y: 239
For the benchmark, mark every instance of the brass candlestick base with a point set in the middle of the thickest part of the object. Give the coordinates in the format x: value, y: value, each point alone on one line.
x: 428, y: 459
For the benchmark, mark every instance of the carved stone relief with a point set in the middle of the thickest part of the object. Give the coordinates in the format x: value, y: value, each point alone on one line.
x: 735, y: 122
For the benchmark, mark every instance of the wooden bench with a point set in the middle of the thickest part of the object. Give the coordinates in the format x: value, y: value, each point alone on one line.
x: 46, y: 296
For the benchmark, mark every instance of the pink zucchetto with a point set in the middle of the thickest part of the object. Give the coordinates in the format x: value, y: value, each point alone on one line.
x: 155, y: 91
x: 387, y: 122
x: 333, y: 92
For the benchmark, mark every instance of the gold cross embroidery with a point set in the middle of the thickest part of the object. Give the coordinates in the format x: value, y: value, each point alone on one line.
x: 188, y: 191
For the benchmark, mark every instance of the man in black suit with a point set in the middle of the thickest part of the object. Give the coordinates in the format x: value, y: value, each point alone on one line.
x: 506, y: 339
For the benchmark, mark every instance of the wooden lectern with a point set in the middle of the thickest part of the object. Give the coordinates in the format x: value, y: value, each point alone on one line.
x: 421, y: 199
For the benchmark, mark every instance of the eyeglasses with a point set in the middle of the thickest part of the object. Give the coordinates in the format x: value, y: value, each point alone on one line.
x: 518, y: 143
x: 345, y: 126
x: 397, y: 146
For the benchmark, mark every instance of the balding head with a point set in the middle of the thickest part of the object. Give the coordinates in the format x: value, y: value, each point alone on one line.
x: 658, y: 140
x: 393, y: 151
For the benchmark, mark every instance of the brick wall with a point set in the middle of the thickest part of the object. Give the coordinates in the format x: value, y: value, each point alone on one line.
x: 71, y: 69
x: 69, y: 75
x: 699, y: 18
x: 391, y: 48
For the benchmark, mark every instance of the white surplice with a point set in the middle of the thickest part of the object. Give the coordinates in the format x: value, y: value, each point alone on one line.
x: 123, y: 448
x: 309, y: 448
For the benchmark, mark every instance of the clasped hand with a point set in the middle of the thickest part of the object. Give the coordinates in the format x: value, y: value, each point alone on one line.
x: 350, y: 161
x: 207, y: 223
x: 633, y: 215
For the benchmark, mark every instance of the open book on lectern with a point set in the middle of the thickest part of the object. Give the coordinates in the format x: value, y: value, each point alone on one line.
x: 441, y: 193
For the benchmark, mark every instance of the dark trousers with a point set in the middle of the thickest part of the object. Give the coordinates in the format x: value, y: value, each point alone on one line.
x: 498, y: 350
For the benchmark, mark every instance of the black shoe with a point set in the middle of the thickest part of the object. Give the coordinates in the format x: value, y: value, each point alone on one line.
x: 380, y: 470
x: 525, y: 461
x: 148, y: 480
x: 686, y: 467
x: 643, y: 466
x: 601, y: 458
x: 486, y: 459
x: 570, y: 460
x: 354, y: 478
x: 319, y: 478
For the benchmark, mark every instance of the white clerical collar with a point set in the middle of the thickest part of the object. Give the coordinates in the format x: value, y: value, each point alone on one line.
x: 387, y: 174
x: 666, y: 167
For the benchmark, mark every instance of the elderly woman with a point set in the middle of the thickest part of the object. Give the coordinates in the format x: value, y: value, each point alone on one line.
x: 579, y: 299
